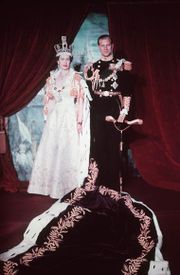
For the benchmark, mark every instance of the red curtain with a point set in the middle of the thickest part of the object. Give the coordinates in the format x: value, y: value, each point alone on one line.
x: 148, y: 33
x: 27, y: 34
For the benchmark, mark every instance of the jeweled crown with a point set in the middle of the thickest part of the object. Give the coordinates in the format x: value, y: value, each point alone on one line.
x: 63, y: 47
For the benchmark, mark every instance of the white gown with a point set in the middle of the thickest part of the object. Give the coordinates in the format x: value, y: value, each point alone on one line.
x: 62, y: 159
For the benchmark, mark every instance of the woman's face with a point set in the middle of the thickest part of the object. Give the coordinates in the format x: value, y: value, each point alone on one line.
x: 64, y: 61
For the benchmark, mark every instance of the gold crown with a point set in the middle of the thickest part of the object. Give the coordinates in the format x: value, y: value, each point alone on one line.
x: 63, y: 47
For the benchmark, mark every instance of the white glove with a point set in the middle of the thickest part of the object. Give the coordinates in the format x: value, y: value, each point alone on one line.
x: 124, y: 111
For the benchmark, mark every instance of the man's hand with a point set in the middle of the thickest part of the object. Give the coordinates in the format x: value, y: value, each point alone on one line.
x: 127, y: 65
x: 122, y: 115
x: 121, y: 118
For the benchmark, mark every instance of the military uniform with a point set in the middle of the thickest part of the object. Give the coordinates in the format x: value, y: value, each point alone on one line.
x: 108, y: 89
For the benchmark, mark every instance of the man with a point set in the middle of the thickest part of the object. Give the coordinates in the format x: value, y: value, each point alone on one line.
x: 110, y: 84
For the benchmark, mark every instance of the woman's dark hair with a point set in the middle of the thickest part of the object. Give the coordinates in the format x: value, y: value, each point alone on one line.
x: 71, y: 58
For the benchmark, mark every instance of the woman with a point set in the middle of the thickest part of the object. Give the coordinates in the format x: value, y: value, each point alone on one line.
x: 62, y: 159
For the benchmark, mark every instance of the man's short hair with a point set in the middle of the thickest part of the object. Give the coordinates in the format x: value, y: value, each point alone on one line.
x: 104, y: 36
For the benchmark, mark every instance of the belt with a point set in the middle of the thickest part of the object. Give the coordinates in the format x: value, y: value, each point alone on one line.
x: 106, y: 93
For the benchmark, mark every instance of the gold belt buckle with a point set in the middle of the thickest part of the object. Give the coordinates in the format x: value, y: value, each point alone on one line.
x: 105, y: 93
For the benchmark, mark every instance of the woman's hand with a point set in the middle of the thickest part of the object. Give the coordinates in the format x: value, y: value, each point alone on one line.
x: 79, y: 127
x: 50, y: 95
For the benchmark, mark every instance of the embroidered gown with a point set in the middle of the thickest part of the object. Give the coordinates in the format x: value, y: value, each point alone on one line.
x: 62, y: 158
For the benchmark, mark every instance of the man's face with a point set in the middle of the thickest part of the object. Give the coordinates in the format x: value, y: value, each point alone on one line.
x: 105, y: 47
